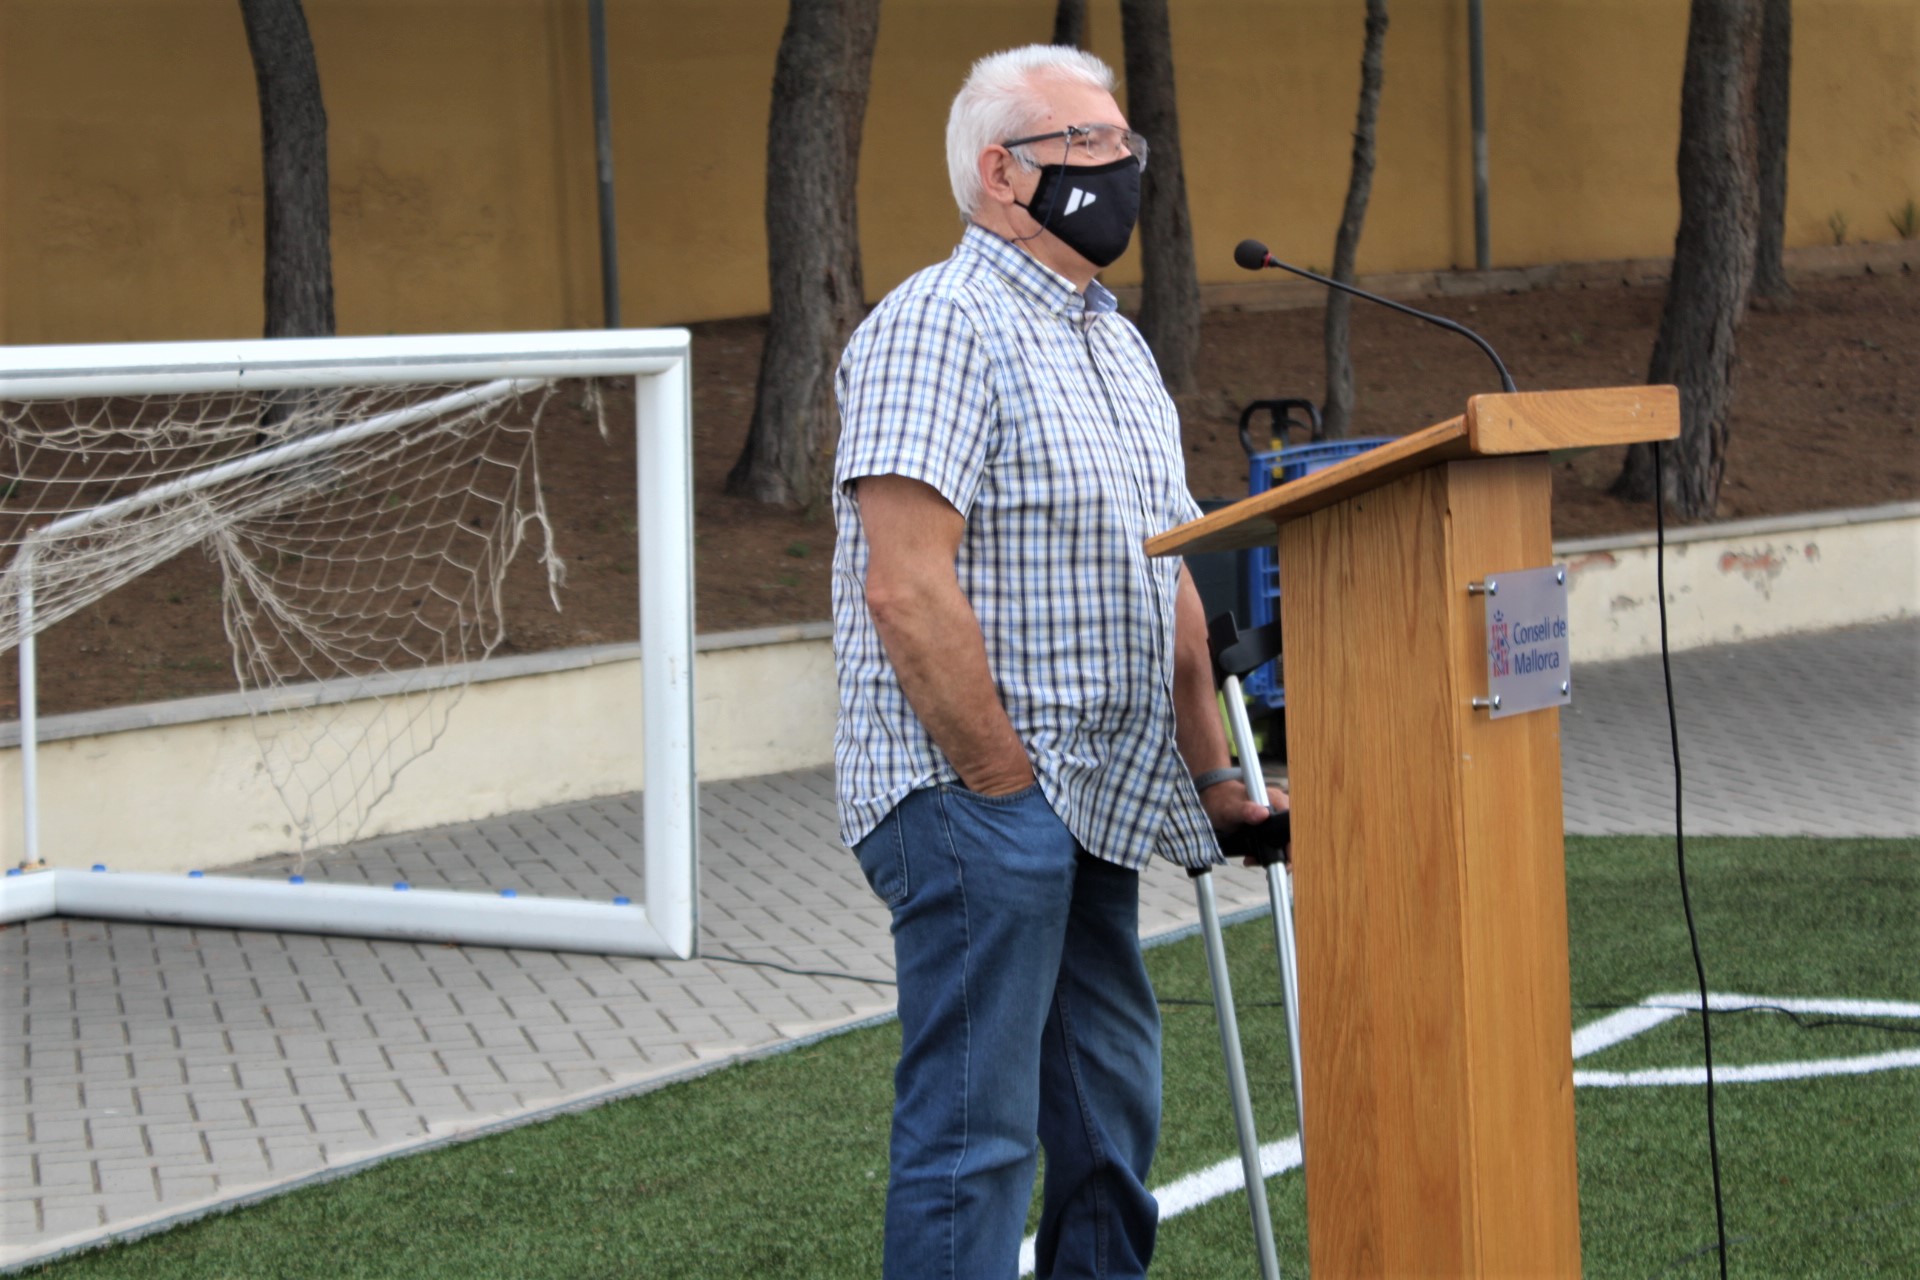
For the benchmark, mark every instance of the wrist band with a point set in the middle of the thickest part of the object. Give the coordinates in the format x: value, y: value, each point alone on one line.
x: 1214, y: 777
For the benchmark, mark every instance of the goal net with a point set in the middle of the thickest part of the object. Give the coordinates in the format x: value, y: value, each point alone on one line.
x: 358, y: 532
x: 361, y: 500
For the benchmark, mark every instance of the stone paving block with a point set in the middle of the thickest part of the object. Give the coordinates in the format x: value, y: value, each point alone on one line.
x: 129, y: 1184
x: 19, y: 1219
x: 294, y: 1154
x: 412, y: 1060
x: 331, y: 1118
x: 582, y: 1080
x: 108, y: 1096
x: 356, y: 1056
x: 175, y: 1143
x: 396, y: 1126
x: 434, y: 1098
x: 491, y: 1099
x: 259, y: 1076
x: 71, y: 1172
x: 271, y: 1115
x: 365, y: 1089
x: 184, y: 1187
x: 48, y: 1132
x: 220, y: 1109
x: 320, y: 1084
x: 114, y: 1133
x: 70, y: 1216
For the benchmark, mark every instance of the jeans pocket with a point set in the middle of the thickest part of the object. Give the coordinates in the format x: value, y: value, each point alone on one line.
x: 1007, y: 799
x: 883, y: 860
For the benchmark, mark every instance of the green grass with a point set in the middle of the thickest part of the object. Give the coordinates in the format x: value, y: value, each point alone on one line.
x: 778, y: 1167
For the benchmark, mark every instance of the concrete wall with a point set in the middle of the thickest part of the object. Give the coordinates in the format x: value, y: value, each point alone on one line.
x: 186, y: 788
x: 462, y: 163
x: 180, y: 785
x: 1743, y: 580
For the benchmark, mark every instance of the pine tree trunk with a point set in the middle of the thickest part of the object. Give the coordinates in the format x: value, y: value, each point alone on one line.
x: 1713, y: 255
x: 1070, y: 23
x: 1170, y: 286
x: 1772, y: 100
x: 293, y: 149
x: 1337, y: 412
x: 820, y: 84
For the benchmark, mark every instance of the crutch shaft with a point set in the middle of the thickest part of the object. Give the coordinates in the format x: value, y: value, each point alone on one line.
x: 1236, y: 1075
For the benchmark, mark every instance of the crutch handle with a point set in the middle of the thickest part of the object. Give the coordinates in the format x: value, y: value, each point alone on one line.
x: 1264, y: 843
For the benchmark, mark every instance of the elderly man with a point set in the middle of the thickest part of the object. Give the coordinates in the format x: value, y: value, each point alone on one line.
x: 1026, y: 708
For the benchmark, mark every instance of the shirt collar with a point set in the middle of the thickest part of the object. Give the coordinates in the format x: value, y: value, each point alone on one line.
x: 1047, y: 288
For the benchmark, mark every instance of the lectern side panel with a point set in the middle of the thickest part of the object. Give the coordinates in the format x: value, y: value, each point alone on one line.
x: 1514, y: 900
x: 1369, y: 731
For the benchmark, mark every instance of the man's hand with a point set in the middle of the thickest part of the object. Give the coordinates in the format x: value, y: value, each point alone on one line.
x: 1229, y: 807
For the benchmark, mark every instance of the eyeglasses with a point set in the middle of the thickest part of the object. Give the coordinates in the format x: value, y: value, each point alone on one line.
x: 1091, y: 143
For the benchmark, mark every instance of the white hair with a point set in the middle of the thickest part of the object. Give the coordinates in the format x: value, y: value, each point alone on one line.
x: 1002, y: 99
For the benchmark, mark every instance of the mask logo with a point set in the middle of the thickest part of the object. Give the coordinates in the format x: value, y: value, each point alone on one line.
x: 1102, y: 235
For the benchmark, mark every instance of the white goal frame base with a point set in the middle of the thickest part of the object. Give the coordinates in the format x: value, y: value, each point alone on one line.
x: 361, y: 911
x: 666, y: 924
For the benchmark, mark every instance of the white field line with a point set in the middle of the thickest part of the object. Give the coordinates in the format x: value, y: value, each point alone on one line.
x: 1276, y: 1158
x: 1752, y: 1073
x: 1792, y: 1004
x: 1209, y: 1184
x: 1622, y: 1024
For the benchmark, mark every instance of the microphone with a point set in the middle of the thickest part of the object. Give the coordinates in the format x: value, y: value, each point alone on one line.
x: 1253, y: 255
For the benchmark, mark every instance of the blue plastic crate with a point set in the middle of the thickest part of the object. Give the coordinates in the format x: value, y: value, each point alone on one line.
x: 1266, y: 471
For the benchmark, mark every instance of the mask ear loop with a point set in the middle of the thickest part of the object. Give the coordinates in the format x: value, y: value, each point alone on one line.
x: 1053, y: 197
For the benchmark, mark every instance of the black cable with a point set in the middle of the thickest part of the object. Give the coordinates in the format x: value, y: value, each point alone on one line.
x: 1800, y: 1021
x: 1680, y: 850
x: 800, y: 973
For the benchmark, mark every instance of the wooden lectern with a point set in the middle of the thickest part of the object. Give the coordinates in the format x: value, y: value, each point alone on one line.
x: 1430, y: 880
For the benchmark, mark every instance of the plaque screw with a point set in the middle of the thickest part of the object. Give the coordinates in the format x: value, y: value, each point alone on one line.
x: 1491, y: 587
x: 1560, y: 576
x: 1492, y: 704
x: 1565, y: 688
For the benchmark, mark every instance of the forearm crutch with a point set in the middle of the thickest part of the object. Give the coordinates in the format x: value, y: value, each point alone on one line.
x: 1235, y: 653
x: 1233, y: 656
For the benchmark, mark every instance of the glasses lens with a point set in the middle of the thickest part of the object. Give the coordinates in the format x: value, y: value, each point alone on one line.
x: 1105, y: 143
x: 1086, y: 144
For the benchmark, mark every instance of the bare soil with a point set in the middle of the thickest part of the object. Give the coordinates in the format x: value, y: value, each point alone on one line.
x: 1826, y: 415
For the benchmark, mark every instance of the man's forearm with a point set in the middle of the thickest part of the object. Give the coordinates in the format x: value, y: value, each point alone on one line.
x: 1196, y: 708
x: 933, y: 640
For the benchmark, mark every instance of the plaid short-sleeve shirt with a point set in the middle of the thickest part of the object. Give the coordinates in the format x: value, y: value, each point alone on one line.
x: 1038, y: 412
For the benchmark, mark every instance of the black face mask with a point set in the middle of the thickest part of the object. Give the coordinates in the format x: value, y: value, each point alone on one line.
x: 1091, y: 208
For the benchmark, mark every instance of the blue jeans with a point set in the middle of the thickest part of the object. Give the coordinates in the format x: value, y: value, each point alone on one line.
x: 1025, y: 1012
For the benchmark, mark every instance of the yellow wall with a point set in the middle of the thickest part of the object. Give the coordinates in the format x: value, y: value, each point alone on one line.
x: 462, y: 162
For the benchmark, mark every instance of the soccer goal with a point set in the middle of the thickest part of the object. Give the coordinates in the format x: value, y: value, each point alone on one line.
x: 362, y: 499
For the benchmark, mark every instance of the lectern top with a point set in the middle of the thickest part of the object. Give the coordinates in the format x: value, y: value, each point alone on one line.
x: 1512, y: 422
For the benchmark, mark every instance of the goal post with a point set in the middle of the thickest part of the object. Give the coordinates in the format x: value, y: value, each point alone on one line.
x: 255, y: 458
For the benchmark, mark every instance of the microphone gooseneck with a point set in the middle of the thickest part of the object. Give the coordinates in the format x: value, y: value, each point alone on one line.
x: 1253, y: 255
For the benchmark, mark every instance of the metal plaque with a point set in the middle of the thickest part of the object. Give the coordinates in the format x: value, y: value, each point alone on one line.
x: 1528, y: 665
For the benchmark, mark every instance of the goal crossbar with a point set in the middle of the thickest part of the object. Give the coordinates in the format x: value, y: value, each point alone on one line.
x: 667, y: 922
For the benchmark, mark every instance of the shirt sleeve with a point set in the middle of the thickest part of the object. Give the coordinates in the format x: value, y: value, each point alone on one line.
x: 916, y: 400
